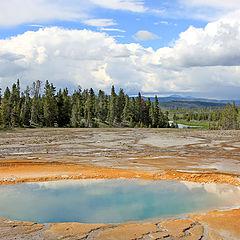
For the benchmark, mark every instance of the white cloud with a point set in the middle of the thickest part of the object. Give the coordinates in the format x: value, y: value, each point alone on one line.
x: 161, y: 22
x: 36, y: 25
x: 112, y: 30
x: 118, y: 36
x: 158, y: 12
x: 215, y: 45
x: 100, y: 22
x: 230, y: 4
x: 60, y: 55
x: 208, y: 10
x: 204, y: 60
x: 130, y: 5
x: 15, y: 12
x: 144, y: 36
x: 164, y: 22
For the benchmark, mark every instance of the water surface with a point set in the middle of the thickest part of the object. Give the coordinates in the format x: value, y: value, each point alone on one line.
x: 110, y: 201
x: 182, y: 126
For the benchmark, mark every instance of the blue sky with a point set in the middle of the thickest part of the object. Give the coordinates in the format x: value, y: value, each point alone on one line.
x: 125, y: 23
x: 187, y: 47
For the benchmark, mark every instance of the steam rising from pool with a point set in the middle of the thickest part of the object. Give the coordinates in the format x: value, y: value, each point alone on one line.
x: 111, y: 201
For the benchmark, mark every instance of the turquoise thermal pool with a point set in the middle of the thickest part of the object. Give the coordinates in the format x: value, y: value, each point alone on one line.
x: 111, y: 201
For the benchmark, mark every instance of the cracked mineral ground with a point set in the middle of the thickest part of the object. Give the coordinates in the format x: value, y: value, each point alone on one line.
x: 37, y: 155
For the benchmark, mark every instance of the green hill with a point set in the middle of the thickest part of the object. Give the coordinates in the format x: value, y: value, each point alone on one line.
x: 188, y: 104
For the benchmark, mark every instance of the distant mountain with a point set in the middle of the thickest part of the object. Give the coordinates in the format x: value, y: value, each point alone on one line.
x: 189, y: 97
x: 188, y: 104
x: 180, y: 102
x: 192, y: 99
x: 175, y: 96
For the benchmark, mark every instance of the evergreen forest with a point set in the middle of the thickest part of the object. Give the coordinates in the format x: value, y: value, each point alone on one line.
x: 84, y: 108
x: 42, y: 106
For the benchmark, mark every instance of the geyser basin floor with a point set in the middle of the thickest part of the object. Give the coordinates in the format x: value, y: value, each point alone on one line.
x: 111, y: 201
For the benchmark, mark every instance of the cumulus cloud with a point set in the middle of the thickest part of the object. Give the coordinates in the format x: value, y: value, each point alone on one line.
x: 60, y: 55
x: 214, y: 45
x: 144, y: 35
x: 203, y: 60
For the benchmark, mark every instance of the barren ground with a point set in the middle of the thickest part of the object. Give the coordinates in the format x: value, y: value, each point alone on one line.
x: 189, y: 155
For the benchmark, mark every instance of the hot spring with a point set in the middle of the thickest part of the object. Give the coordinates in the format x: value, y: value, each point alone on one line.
x: 111, y: 201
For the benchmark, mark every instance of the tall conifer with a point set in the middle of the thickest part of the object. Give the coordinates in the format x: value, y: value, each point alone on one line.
x: 49, y: 105
x: 112, y: 107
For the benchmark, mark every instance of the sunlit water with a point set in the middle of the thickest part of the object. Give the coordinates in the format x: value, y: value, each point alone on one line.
x: 182, y: 126
x: 110, y: 201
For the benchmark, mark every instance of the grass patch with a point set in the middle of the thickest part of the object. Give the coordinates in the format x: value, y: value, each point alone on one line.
x: 203, y: 125
x: 7, y: 130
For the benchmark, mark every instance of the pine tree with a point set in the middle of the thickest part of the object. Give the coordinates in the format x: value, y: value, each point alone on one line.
x: 127, y: 109
x: 6, y: 108
x: 139, y: 108
x: 154, y: 113
x: 234, y: 116
x: 63, y: 108
x: 133, y: 110
x: 60, y: 110
x: 163, y: 120
x: 120, y: 105
x: 227, y: 117
x: 90, y: 109
x: 85, y: 94
x: 214, y: 119
x: 77, y: 112
x: 26, y: 108
x: 66, y: 107
x: 49, y: 105
x: 36, y: 109
x: 101, y: 106
x: 15, y: 105
x: 148, y: 120
x: 112, y: 114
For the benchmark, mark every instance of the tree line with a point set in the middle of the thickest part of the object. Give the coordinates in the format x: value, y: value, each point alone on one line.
x: 219, y: 118
x: 83, y: 108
